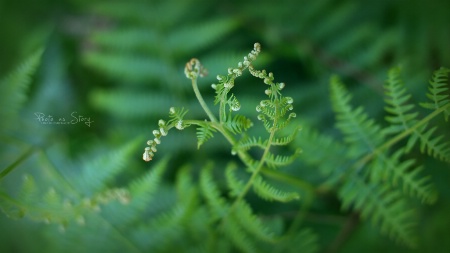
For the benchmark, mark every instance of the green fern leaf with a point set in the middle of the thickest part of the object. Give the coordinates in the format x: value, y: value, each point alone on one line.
x: 238, y: 237
x: 238, y: 123
x: 359, y: 130
x: 438, y: 92
x: 391, y: 169
x: 210, y: 191
x: 305, y: 241
x: 184, y: 182
x: 383, y: 206
x: 434, y: 146
x: 204, y: 133
x: 324, y: 152
x: 13, y: 89
x: 270, y: 193
x: 251, y: 223
x: 403, y: 119
x: 283, y: 141
x: 247, y: 143
x: 98, y: 172
x: 274, y: 161
x: 10, y: 207
x: 143, y: 189
x: 235, y: 185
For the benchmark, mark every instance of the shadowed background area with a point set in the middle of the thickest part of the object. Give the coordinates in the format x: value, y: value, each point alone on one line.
x: 98, y: 75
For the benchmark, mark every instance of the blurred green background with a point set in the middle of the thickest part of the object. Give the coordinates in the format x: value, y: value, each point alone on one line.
x: 120, y: 63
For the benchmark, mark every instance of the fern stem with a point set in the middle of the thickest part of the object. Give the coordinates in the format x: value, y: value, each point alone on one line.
x: 255, y: 172
x: 202, y: 102
x: 401, y: 136
x: 16, y: 163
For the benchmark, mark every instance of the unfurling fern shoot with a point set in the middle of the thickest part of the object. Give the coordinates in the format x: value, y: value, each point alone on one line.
x: 234, y: 215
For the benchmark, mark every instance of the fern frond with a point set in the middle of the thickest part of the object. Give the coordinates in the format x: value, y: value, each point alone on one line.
x: 247, y: 143
x: 283, y: 141
x: 13, y: 88
x: 143, y: 189
x: 51, y: 207
x: 270, y: 193
x: 359, y: 130
x: 235, y: 185
x: 392, y: 169
x: 166, y: 228
x: 238, y: 237
x: 325, y: 152
x: 403, y: 119
x: 10, y: 207
x: 383, y: 206
x: 238, y: 123
x: 251, y: 223
x: 438, y: 92
x: 218, y: 206
x: 305, y: 241
x: 274, y: 161
x: 99, y: 171
x: 184, y: 181
x: 434, y: 146
x: 204, y: 133
x: 397, y: 105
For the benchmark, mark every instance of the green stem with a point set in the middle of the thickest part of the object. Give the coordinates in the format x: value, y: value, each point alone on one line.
x: 245, y: 158
x: 16, y: 163
x: 400, y: 136
x: 202, y: 102
x: 364, y: 160
x: 255, y: 172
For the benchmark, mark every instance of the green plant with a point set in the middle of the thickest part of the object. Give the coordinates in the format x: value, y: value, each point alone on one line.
x: 370, y: 171
x: 96, y: 205
x: 233, y: 216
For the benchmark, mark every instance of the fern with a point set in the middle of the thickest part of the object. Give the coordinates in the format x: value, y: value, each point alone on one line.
x: 375, y: 164
x: 98, y: 172
x: 438, y: 92
x: 211, y: 193
x: 238, y: 237
x: 274, y: 161
x: 360, y: 132
x: 382, y: 206
x: 403, y: 119
x: 238, y: 124
x: 125, y: 58
x: 234, y: 184
x: 14, y: 87
x: 234, y: 216
x: 251, y: 223
x: 250, y: 142
x: 204, y: 133
x: 268, y: 192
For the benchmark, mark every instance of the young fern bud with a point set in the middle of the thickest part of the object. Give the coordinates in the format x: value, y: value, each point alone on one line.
x: 146, y: 156
x: 194, y: 69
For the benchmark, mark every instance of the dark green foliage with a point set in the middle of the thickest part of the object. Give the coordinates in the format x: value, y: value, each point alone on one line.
x: 293, y: 181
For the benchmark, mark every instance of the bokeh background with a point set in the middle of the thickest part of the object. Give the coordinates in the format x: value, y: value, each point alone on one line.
x: 120, y: 63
